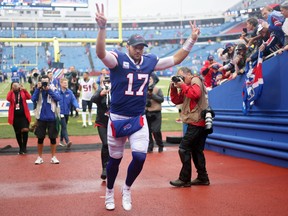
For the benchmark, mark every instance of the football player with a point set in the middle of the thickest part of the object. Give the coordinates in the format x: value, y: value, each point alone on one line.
x: 129, y: 75
x: 87, y: 86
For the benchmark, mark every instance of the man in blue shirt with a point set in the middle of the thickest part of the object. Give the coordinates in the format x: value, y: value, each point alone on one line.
x: 46, y: 96
x: 67, y: 99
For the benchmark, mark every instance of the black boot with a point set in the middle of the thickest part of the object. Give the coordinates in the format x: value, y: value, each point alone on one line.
x: 104, y: 174
x: 24, y: 141
x: 20, y: 143
x: 180, y: 183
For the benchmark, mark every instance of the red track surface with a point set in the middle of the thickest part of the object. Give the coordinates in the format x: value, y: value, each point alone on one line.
x: 238, y: 186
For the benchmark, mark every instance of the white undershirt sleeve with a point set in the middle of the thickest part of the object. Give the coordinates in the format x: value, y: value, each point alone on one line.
x: 110, y: 60
x: 165, y: 63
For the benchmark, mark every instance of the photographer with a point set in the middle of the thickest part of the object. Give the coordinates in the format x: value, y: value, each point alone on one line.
x: 207, y: 71
x: 102, y: 98
x: 73, y: 85
x: 237, y: 65
x: 227, y: 54
x: 153, y: 114
x: 193, y: 95
x: 33, y: 80
x: 46, y: 113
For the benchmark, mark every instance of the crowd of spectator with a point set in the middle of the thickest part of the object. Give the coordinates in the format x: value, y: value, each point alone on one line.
x: 267, y: 35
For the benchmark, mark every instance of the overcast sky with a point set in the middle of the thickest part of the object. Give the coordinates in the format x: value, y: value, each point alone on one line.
x: 132, y: 8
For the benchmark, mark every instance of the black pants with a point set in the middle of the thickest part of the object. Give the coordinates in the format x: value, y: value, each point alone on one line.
x: 19, y: 123
x: 72, y: 108
x: 102, y: 131
x: 154, y: 120
x: 192, y: 147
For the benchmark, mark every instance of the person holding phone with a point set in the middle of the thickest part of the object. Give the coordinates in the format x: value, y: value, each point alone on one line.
x: 19, y: 115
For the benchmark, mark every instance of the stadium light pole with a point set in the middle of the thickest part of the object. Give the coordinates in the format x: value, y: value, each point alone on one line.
x: 120, y: 20
x: 56, y: 50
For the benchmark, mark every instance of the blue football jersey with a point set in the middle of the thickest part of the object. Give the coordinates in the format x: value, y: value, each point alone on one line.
x: 129, y: 83
x: 15, y: 77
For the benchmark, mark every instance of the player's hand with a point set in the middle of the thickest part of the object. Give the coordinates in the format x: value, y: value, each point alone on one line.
x: 195, y: 30
x: 100, y: 17
x: 77, y: 109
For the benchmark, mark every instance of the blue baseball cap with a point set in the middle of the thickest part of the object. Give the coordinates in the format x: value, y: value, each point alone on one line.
x: 229, y: 45
x: 216, y: 66
x: 210, y: 58
x: 136, y: 39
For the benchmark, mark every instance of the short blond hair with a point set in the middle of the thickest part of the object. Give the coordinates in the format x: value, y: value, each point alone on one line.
x: 63, y: 79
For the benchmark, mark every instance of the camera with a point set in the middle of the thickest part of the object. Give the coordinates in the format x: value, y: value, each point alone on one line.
x: 106, y: 79
x: 74, y: 74
x: 150, y: 88
x: 106, y: 83
x: 148, y: 103
x: 208, y: 114
x: 177, y: 78
x: 245, y: 30
x: 225, y: 51
x: 35, y: 75
x: 44, y: 84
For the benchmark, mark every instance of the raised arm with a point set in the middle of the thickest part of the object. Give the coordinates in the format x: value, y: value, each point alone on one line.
x: 106, y: 57
x: 182, y: 53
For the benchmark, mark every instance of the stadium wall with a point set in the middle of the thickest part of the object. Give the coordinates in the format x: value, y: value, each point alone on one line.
x: 261, y: 135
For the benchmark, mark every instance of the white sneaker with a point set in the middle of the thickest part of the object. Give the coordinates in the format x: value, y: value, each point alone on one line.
x: 126, y: 199
x: 61, y: 143
x: 90, y: 123
x: 54, y: 160
x: 109, y: 200
x: 39, y: 160
x: 84, y: 125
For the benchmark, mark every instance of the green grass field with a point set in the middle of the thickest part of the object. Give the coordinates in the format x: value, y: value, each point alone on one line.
x: 75, y: 125
x: 5, y: 87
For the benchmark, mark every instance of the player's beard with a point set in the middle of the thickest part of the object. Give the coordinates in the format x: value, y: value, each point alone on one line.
x: 137, y: 58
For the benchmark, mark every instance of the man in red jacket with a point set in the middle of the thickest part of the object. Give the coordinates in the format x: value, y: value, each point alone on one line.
x: 193, y: 95
x: 19, y: 115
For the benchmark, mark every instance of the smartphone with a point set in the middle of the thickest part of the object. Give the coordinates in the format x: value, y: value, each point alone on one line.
x: 245, y: 30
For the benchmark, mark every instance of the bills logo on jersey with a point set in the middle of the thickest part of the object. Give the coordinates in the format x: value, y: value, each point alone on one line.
x: 127, y: 126
x: 126, y: 65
